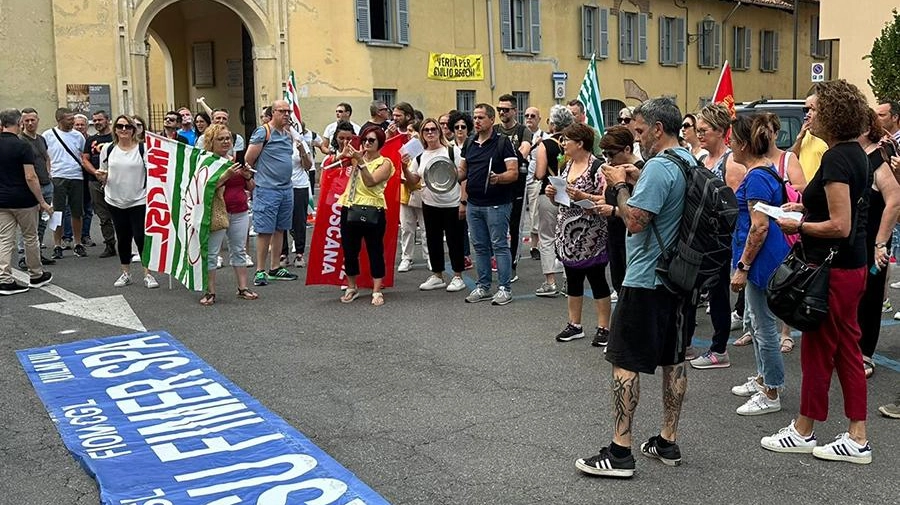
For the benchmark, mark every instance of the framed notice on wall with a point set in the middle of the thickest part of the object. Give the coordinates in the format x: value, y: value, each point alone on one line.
x: 204, y: 73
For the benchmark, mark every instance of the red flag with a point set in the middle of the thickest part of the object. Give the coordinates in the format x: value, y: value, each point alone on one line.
x: 725, y: 89
x: 326, y: 258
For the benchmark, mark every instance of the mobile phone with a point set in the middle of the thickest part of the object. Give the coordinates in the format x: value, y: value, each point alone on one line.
x: 239, y: 157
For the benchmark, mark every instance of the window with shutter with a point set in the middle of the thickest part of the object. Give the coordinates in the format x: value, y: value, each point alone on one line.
x: 747, y: 53
x: 740, y: 55
x: 506, y: 25
x: 588, y: 30
x: 604, y: 34
x: 403, y: 21
x: 768, y: 47
x: 671, y: 41
x: 520, y: 26
x: 717, y: 45
x: 680, y: 38
x: 535, y: 22
x: 362, y: 21
x: 642, y: 37
x: 382, y: 22
x: 630, y: 39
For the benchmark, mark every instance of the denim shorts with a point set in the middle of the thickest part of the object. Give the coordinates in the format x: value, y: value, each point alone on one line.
x: 273, y: 209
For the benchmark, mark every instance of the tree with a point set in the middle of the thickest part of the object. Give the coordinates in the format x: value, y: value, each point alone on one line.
x: 885, y: 61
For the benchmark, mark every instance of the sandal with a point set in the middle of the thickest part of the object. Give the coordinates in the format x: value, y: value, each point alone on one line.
x: 787, y: 345
x: 349, y: 295
x: 377, y: 299
x: 868, y: 367
x: 208, y: 299
x: 246, y: 294
x: 745, y: 339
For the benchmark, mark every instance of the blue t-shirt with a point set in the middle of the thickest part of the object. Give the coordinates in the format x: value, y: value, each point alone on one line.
x: 765, y: 187
x: 189, y: 135
x: 273, y: 165
x: 660, y: 191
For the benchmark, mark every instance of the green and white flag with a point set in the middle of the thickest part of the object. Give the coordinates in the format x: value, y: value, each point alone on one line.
x: 590, y: 96
x: 181, y: 186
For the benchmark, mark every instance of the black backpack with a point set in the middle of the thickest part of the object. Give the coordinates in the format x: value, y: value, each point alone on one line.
x: 703, y: 243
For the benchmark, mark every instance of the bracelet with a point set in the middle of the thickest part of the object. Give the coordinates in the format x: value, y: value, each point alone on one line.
x: 462, y: 202
x: 881, y: 245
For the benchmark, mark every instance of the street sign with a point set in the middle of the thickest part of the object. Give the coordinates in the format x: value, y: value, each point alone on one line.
x: 818, y: 72
x: 559, y: 85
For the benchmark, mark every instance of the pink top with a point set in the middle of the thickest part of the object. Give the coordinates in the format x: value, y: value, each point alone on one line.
x: 236, y: 194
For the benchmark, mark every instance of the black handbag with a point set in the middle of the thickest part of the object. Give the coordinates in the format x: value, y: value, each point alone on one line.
x: 364, y: 214
x: 797, y: 293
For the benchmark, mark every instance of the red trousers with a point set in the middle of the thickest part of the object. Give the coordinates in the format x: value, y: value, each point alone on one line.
x: 835, y: 345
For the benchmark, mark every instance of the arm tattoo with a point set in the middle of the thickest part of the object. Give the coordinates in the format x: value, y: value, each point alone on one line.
x: 636, y: 220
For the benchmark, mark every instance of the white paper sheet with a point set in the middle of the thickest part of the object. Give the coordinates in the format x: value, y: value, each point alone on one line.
x: 413, y: 148
x: 585, y: 204
x: 55, y: 220
x: 560, y: 184
x: 777, y: 212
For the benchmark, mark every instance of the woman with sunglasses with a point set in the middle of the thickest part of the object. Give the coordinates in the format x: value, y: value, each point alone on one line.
x: 124, y: 175
x: 231, y: 193
x: 369, y: 174
x: 462, y: 124
x: 440, y: 210
x: 689, y: 134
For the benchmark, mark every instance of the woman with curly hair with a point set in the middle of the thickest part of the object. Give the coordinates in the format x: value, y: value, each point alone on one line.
x: 834, y: 220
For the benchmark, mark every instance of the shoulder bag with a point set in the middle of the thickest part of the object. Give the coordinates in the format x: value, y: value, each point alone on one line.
x: 361, y: 214
x: 797, y: 292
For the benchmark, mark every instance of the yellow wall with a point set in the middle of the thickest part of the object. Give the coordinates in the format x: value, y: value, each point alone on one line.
x: 856, y: 29
x: 27, y: 68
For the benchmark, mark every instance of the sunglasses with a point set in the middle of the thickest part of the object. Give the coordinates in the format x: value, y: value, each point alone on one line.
x: 609, y: 154
x: 460, y: 127
x: 174, y: 119
x: 686, y: 125
x: 531, y: 116
x: 139, y: 125
x: 429, y: 130
x: 624, y: 120
x: 370, y: 140
x: 120, y: 126
x: 806, y: 110
x: 504, y: 109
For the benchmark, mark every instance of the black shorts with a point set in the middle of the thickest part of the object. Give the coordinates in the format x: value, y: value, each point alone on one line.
x: 650, y: 328
x: 69, y: 192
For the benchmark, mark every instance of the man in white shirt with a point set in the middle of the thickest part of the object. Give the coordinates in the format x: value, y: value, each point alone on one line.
x: 533, y: 187
x: 63, y: 145
x: 342, y: 112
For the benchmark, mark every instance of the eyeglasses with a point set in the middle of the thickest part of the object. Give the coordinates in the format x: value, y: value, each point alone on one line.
x: 460, y: 127
x: 429, y: 130
x: 531, y: 116
x: 686, y: 125
x: 624, y: 120
x: 504, y: 109
x: 609, y: 154
x: 123, y: 126
x: 370, y: 140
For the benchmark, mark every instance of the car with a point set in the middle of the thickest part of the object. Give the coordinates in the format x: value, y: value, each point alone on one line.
x: 790, y: 112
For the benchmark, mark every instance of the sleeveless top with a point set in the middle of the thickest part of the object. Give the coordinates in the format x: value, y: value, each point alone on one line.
x: 581, y: 236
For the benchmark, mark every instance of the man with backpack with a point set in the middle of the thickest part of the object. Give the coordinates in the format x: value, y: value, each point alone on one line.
x: 652, y: 325
x: 520, y: 138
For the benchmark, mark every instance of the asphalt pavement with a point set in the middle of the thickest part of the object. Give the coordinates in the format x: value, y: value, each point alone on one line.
x: 430, y: 400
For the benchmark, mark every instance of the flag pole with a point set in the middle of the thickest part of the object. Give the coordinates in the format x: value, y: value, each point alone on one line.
x: 721, y: 75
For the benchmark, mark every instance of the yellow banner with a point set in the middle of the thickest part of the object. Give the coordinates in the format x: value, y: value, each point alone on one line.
x: 456, y: 67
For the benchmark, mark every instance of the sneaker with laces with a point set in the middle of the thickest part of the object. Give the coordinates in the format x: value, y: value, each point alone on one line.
x: 886, y: 306
x: 88, y: 241
x: 57, y: 253
x: 691, y: 353
x: 501, y: 297
x: 514, y: 277
x: 284, y: 262
x: 897, y: 316
x: 432, y: 283
x: 711, y: 359
x: 467, y: 263
x: 895, y: 285
x: 299, y: 262
x: 67, y: 244
x: 260, y: 279
x: 601, y: 337
x: 788, y: 440
x: 759, y: 404
x: 47, y: 261
x: 607, y: 465
x: 547, y: 290
x: 150, y: 282
x: 653, y: 448
x: 123, y: 280
x: 478, y: 295
x: 80, y: 251
x: 405, y: 266
x: 737, y: 322
x: 570, y: 332
x: 23, y: 266
x: 844, y: 448
x: 12, y: 288
x: 42, y: 280
x: 747, y: 389
x: 282, y: 274
x: 456, y: 284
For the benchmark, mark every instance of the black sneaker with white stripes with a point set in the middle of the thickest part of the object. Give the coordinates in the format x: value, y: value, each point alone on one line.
x: 670, y: 455
x: 570, y: 332
x: 607, y: 465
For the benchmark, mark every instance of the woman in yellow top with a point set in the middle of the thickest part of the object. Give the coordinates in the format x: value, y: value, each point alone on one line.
x: 362, y: 213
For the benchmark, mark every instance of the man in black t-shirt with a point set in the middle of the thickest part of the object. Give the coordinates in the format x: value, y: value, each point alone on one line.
x: 91, y: 162
x: 520, y: 138
x: 38, y: 145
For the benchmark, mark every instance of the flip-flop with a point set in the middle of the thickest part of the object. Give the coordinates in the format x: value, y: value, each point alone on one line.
x: 868, y: 367
x: 246, y: 294
x: 377, y: 299
x: 787, y: 345
x: 349, y: 295
x: 208, y: 299
x: 745, y: 339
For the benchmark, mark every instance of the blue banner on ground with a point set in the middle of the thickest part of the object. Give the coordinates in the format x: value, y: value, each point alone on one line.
x: 155, y: 425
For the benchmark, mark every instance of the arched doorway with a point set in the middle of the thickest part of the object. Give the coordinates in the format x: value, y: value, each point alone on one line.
x: 611, y: 108
x: 221, y: 50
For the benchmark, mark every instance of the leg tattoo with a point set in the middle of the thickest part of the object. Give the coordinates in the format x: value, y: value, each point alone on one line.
x: 626, y: 393
x: 674, y: 386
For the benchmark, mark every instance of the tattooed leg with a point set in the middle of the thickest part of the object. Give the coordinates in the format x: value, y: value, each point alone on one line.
x: 626, y: 389
x: 674, y: 385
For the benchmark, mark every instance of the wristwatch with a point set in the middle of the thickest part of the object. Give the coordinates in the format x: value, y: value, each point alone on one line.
x: 743, y: 266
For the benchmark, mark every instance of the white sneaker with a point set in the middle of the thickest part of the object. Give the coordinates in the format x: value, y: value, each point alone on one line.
x: 788, y: 440
x: 737, y: 322
x: 895, y: 285
x: 759, y: 404
x: 433, y: 282
x: 707, y: 309
x: 150, y: 282
x: 298, y: 261
x: 248, y: 260
x: 456, y: 284
x: 219, y: 262
x: 123, y: 280
x: 749, y: 388
x: 501, y: 297
x: 897, y: 316
x: 252, y: 232
x: 405, y: 266
x: 135, y: 258
x: 844, y: 448
x: 614, y: 297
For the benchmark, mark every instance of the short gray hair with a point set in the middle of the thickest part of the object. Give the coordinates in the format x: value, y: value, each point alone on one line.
x: 561, y: 117
x: 661, y: 110
x: 10, y: 117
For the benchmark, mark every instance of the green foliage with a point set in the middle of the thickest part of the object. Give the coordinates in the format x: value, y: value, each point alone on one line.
x: 885, y: 61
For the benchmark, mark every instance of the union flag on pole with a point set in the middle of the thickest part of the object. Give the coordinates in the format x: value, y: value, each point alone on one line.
x: 725, y: 89
x: 181, y: 186
x: 290, y: 94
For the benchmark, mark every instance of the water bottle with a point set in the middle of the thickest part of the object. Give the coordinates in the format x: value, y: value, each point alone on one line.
x: 45, y: 216
x: 874, y: 270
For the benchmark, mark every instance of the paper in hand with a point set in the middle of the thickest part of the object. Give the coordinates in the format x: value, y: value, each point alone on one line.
x: 412, y: 148
x: 55, y: 220
x: 777, y: 212
x: 585, y: 204
x: 559, y: 183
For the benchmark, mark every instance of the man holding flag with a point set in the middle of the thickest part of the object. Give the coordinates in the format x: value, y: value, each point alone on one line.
x: 273, y: 199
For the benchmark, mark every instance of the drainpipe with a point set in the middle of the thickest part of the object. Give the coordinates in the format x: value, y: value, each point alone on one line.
x: 490, y: 27
x: 796, y: 41
x: 687, y: 66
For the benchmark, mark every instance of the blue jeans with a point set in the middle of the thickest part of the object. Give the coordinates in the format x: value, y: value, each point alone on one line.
x: 766, y: 338
x: 489, y: 226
